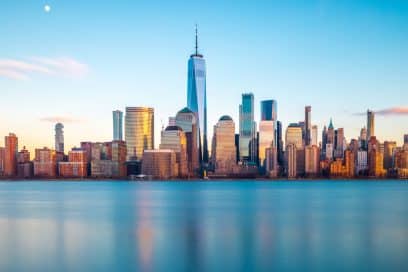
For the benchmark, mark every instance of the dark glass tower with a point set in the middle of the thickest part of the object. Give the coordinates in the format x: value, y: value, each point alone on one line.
x: 197, y: 99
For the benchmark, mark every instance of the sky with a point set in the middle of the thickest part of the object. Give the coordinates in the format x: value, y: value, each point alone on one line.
x: 78, y: 61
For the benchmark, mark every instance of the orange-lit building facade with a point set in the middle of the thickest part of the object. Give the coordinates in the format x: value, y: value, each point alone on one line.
x: 10, y: 155
x: 45, y: 163
x: 76, y: 167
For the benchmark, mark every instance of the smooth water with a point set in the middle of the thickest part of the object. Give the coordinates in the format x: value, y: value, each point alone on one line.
x: 204, y: 226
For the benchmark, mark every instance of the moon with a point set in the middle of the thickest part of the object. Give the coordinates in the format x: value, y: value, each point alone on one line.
x: 47, y: 8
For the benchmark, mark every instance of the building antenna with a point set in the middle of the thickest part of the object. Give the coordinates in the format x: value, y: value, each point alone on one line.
x: 196, y: 40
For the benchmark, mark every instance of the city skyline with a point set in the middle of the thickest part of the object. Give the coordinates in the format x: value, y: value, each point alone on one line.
x: 345, y: 80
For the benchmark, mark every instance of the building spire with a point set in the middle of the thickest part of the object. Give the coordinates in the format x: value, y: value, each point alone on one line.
x: 196, y: 40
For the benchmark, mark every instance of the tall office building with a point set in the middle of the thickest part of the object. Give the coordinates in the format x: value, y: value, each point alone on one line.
x: 2, y: 158
x: 45, y: 162
x: 388, y: 154
x: 269, y: 111
x: 312, y: 160
x: 224, y: 150
x: 406, y: 139
x: 279, y: 142
x: 139, y: 131
x: 339, y: 143
x: 174, y: 138
x: 291, y: 160
x: 59, y: 137
x: 308, y: 125
x: 362, y: 139
x: 266, y: 139
x: 117, y: 116
x: 314, y: 135
x: 197, y: 99
x: 187, y: 120
x: 370, y: 124
x: 10, y: 156
x: 247, y: 129
x: 294, y: 136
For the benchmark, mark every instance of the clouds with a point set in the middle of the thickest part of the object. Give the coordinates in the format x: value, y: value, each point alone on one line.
x: 60, y: 119
x: 390, y: 111
x: 26, y: 69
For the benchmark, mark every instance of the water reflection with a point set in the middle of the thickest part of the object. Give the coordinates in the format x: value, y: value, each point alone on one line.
x: 203, y: 226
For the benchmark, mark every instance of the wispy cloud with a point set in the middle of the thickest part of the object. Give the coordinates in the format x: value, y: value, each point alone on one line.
x: 25, y: 69
x: 61, y: 119
x: 389, y: 111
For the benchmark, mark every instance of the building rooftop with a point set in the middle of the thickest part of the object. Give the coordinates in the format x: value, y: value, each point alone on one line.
x: 185, y: 110
x: 173, y: 128
x: 225, y: 118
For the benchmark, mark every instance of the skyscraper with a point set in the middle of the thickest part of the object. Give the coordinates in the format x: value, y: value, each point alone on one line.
x: 247, y: 129
x: 197, y: 98
x: 187, y: 120
x: 117, y: 125
x: 362, y: 139
x: 59, y: 137
x: 224, y: 145
x: 406, y: 139
x: 279, y: 142
x: 267, y: 128
x: 294, y: 136
x: 308, y: 125
x: 370, y: 124
x: 139, y: 130
x: 389, y: 147
x: 269, y: 109
x: 174, y: 138
x: 314, y: 135
x: 11, y: 150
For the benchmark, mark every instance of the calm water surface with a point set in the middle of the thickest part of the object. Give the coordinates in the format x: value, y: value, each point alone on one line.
x: 204, y: 226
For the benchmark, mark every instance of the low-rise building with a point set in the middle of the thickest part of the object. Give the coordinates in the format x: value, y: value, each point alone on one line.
x: 160, y: 163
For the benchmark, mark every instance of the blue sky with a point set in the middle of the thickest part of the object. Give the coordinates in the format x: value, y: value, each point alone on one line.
x: 84, y: 59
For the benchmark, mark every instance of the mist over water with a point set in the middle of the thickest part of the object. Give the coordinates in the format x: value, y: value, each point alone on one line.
x: 203, y: 226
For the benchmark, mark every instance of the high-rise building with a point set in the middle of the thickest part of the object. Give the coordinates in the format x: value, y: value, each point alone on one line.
x: 339, y: 143
x: 308, y: 125
x: 388, y: 154
x: 370, y: 124
x: 197, y: 99
x: 59, y: 137
x: 224, y: 151
x: 362, y: 162
x: 187, y: 121
x: 266, y: 139
x: 10, y: 155
x: 271, y: 162
x: 139, y: 131
x: 269, y: 110
x: 291, y: 160
x: 294, y: 136
x: 279, y: 142
x: 45, y: 162
x: 406, y: 139
x: 312, y: 160
x: 314, y: 135
x: 174, y: 138
x: 247, y: 129
x: 172, y: 121
x: 363, y: 138
x: 117, y: 116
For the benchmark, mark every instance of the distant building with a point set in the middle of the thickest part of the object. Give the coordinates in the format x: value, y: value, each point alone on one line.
x: 291, y: 160
x: 406, y: 139
x: 266, y: 139
x: 187, y: 121
x: 314, y: 136
x: 363, y: 138
x: 389, y: 154
x: 108, y: 159
x: 59, y: 137
x: 247, y: 130
x: 362, y: 162
x: 139, y: 130
x: 312, y: 160
x: 279, y: 143
x: 294, y: 135
x: 10, y: 155
x: 329, y: 151
x: 172, y: 121
x: 339, y: 143
x: 174, y: 138
x: 376, y: 162
x: 370, y: 124
x: 24, y: 165
x: 308, y: 125
x: 271, y: 162
x: 117, y: 116
x: 160, y: 164
x: 45, y: 163
x: 76, y: 167
x: 224, y: 150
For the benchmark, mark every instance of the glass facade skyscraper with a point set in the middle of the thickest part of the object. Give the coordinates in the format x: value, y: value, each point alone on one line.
x: 269, y: 110
x: 197, y: 99
x: 117, y: 125
x: 247, y: 129
x: 139, y: 131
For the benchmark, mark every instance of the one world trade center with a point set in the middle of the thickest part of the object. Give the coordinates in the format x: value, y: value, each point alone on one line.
x: 197, y: 99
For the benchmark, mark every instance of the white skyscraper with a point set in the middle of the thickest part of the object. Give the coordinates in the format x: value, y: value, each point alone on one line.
x: 59, y: 137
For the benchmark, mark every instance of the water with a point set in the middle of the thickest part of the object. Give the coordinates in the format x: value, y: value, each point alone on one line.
x: 204, y: 226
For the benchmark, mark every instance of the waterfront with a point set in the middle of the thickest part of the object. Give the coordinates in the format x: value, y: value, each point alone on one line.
x: 202, y: 226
